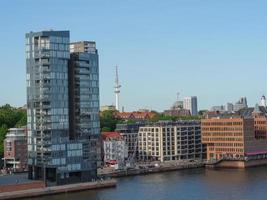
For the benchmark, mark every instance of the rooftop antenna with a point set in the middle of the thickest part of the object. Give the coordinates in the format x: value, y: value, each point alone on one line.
x: 117, y: 89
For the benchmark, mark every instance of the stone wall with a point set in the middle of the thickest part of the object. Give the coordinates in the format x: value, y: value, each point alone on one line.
x: 21, y: 186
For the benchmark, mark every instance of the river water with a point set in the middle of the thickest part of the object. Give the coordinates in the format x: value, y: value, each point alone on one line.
x: 195, y: 184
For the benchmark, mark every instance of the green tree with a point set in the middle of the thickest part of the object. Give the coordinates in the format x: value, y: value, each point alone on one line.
x: 105, y: 129
x: 3, y: 131
x: 162, y: 117
x: 108, y: 120
x: 10, y: 117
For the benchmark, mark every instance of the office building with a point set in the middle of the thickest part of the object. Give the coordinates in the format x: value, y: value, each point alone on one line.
x: 63, y: 124
x: 232, y: 141
x: 15, y: 149
x: 190, y: 103
x: 165, y: 141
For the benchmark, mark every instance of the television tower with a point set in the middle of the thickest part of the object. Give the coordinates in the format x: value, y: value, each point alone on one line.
x: 117, y: 89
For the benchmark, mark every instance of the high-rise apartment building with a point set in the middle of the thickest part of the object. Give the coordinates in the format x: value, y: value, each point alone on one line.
x: 84, y: 90
x: 62, y: 102
x: 190, y: 103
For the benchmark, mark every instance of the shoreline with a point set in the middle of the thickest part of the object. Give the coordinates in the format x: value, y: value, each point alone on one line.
x: 161, y: 169
x: 29, y: 193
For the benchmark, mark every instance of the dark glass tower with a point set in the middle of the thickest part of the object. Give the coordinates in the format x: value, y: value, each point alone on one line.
x: 62, y: 148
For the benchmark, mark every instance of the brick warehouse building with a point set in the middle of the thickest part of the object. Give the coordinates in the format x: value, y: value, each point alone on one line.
x: 236, y: 138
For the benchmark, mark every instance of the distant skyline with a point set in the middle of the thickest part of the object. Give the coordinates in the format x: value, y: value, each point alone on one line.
x: 215, y: 50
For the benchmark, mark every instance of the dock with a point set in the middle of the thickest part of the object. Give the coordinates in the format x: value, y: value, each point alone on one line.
x: 58, y: 189
x: 143, y: 171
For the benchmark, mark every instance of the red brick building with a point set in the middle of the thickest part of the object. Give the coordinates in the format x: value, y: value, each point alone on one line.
x: 137, y: 116
x: 15, y: 149
x: 238, y: 140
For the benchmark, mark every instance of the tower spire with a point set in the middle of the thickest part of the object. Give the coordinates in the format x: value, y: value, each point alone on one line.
x: 117, y: 89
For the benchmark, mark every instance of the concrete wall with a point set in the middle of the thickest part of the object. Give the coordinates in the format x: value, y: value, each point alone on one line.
x: 21, y: 186
x: 241, y: 164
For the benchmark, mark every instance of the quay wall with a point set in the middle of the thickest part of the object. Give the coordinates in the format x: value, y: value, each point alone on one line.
x: 57, y: 190
x: 134, y: 172
x: 238, y: 164
x: 21, y: 186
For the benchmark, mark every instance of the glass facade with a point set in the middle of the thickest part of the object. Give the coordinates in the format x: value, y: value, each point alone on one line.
x: 85, y: 94
x: 62, y: 109
x: 47, y: 93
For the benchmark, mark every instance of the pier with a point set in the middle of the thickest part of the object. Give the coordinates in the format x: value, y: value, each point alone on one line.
x: 57, y: 189
x: 149, y: 169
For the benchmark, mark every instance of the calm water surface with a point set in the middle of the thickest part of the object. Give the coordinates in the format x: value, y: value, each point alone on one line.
x: 196, y: 184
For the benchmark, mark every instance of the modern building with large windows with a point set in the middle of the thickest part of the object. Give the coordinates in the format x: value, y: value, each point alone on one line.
x: 62, y: 129
x: 166, y: 140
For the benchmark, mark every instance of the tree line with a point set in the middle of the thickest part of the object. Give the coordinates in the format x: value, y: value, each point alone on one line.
x: 10, y: 117
x: 108, y: 119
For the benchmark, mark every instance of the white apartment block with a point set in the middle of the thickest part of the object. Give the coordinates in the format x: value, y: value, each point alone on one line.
x: 115, y: 150
x: 165, y: 141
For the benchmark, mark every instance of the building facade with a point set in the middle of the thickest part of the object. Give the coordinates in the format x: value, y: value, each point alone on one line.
x: 107, y: 108
x: 135, y: 116
x: 232, y: 138
x: 165, y: 141
x: 15, y: 149
x: 190, y: 103
x: 59, y: 136
x: 230, y: 107
x: 217, y: 109
x: 241, y: 104
x: 115, y: 149
x: 129, y: 133
x: 84, y: 90
x: 263, y: 101
x: 177, y: 110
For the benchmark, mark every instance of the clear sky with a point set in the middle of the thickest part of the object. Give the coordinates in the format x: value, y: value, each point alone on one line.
x: 216, y: 50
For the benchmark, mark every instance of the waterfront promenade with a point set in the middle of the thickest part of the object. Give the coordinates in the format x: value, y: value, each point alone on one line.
x: 149, y: 168
x: 57, y: 189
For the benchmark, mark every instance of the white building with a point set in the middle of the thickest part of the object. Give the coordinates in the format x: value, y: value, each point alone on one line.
x: 263, y: 101
x: 115, y: 149
x: 165, y: 141
x: 190, y: 103
x: 217, y: 108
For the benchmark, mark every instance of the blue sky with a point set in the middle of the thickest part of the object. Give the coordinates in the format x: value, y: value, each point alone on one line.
x: 216, y: 50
